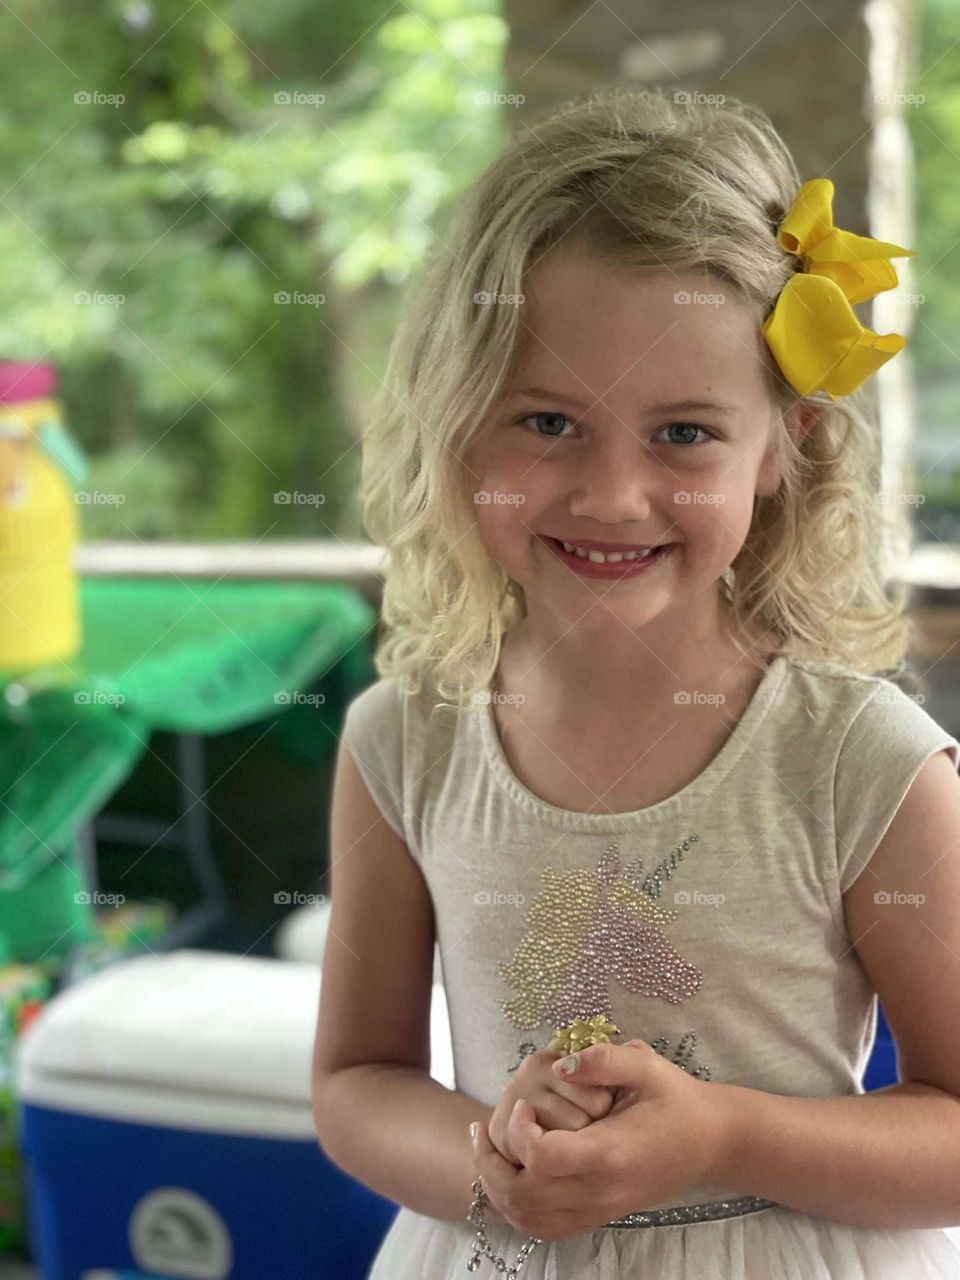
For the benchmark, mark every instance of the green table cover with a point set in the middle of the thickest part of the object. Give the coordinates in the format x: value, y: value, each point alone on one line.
x: 198, y: 657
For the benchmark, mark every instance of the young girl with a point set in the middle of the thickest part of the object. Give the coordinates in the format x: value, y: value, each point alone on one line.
x: 637, y: 759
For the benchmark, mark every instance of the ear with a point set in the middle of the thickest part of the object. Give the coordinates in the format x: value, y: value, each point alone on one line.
x: 798, y: 419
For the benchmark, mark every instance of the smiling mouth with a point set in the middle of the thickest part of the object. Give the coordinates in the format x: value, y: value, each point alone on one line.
x: 607, y: 557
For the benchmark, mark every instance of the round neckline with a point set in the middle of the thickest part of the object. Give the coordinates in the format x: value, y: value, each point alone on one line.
x: 671, y: 806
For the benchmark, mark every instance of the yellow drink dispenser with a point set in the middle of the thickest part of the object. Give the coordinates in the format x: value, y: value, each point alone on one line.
x: 39, y: 469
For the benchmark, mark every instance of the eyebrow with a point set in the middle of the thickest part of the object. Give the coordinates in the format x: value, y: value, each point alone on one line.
x: 686, y: 406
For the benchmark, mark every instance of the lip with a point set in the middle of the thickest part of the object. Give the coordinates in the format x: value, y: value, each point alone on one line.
x: 622, y: 569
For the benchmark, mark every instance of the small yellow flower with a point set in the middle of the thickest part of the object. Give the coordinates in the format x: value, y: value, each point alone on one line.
x: 583, y: 1032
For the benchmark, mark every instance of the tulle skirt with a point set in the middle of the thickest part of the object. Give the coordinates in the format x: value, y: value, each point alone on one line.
x: 769, y: 1244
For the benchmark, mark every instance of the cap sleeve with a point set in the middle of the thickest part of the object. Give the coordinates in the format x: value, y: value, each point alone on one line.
x: 373, y: 730
x: 889, y: 740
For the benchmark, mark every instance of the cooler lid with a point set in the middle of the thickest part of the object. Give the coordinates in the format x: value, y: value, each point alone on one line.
x: 182, y: 1021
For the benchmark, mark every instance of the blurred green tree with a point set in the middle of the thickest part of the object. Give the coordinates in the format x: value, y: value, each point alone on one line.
x: 191, y: 197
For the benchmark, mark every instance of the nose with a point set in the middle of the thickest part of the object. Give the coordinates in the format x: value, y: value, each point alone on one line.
x: 615, y: 485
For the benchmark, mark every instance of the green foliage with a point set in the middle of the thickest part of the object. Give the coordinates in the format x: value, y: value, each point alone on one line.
x: 934, y: 125
x: 226, y: 156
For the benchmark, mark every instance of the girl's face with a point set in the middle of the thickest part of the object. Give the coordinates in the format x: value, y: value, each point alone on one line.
x: 592, y: 441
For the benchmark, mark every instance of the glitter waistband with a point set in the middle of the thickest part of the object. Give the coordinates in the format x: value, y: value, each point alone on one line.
x: 693, y: 1213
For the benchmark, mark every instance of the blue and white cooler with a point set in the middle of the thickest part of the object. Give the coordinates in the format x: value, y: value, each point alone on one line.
x: 168, y: 1131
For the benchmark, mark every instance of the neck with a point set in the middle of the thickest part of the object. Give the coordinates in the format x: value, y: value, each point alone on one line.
x: 600, y: 661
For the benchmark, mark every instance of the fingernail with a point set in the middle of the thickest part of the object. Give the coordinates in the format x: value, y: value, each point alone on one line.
x: 474, y: 1130
x: 569, y: 1065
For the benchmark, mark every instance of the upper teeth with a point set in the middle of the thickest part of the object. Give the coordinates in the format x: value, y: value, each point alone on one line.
x: 610, y: 557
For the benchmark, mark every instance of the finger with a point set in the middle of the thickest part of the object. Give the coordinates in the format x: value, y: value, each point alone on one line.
x: 523, y: 1130
x: 555, y: 1109
x: 595, y: 1100
x: 607, y: 1064
x: 497, y: 1172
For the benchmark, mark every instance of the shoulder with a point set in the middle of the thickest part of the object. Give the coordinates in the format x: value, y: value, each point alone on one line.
x: 843, y: 700
x: 389, y: 715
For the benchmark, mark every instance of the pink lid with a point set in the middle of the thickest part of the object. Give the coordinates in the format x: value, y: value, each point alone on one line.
x: 22, y: 381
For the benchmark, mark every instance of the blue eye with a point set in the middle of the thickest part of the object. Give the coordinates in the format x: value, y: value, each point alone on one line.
x: 545, y: 413
x: 689, y: 426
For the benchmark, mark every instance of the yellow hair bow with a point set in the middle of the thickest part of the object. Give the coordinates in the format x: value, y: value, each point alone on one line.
x: 812, y: 331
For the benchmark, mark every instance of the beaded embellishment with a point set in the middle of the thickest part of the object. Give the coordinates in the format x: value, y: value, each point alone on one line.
x: 590, y: 927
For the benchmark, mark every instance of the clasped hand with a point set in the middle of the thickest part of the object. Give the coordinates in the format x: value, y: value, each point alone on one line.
x: 559, y: 1158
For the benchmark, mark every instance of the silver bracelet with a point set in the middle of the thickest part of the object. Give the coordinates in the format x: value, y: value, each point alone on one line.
x: 482, y: 1247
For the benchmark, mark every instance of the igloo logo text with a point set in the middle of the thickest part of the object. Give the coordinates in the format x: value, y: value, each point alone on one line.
x: 175, y: 1232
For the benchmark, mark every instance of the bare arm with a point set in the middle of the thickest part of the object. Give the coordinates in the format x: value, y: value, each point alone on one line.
x: 402, y: 1133
x: 890, y: 1158
x: 379, y: 1114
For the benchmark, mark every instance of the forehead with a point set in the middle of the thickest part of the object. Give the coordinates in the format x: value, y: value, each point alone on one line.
x: 589, y: 326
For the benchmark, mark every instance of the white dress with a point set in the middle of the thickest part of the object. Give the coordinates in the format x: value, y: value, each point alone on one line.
x: 765, y: 991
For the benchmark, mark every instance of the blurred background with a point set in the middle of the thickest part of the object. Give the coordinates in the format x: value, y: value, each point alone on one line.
x: 208, y: 215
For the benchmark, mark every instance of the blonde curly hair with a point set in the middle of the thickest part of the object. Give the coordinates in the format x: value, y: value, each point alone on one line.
x: 644, y: 182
